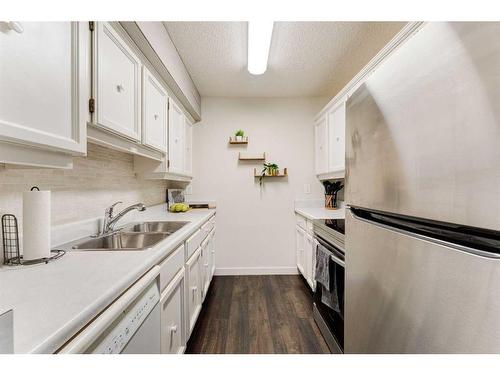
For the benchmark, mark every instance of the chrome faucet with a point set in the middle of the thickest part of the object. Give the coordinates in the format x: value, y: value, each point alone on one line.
x: 110, y: 220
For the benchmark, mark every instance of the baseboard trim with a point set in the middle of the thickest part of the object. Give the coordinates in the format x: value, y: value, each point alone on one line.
x: 256, y: 271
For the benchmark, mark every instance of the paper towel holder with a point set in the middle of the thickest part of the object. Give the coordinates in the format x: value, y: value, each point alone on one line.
x: 10, y: 239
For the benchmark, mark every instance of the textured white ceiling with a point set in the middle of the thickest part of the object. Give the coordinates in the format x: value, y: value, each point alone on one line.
x: 306, y: 58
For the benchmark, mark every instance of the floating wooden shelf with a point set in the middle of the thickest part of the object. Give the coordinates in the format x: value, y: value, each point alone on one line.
x: 257, y: 157
x: 284, y: 174
x: 233, y: 141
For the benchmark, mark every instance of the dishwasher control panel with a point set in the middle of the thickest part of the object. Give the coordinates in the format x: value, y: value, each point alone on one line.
x: 124, y: 327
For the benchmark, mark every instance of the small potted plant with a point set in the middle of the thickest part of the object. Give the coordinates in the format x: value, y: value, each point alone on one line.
x: 239, y: 135
x: 269, y: 169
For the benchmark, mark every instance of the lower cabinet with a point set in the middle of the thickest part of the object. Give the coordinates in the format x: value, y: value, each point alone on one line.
x: 305, y: 250
x: 300, y: 238
x: 211, y: 259
x: 205, y: 256
x: 193, y: 289
x: 309, y: 260
x: 173, y: 336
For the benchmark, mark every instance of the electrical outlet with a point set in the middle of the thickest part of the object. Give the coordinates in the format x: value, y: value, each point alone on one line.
x: 189, y: 190
x: 307, y: 188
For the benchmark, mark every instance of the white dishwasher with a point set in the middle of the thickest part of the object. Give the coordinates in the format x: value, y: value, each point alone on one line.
x: 130, y: 325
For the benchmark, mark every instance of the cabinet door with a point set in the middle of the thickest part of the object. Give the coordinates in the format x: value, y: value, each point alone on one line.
x: 193, y: 289
x: 336, y: 138
x: 173, y: 338
x: 321, y: 145
x: 205, y: 266
x: 188, y: 147
x: 154, y: 112
x: 175, y: 138
x: 308, y: 261
x: 212, y: 255
x: 117, y: 72
x: 44, y: 85
x: 300, y: 244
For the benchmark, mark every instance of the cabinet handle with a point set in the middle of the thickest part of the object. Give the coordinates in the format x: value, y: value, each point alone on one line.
x: 173, y: 329
x: 120, y: 88
x: 206, y: 264
x: 194, y: 288
x: 16, y: 26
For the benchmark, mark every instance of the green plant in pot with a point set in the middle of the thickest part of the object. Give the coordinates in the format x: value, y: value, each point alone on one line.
x: 269, y: 169
x: 239, y: 134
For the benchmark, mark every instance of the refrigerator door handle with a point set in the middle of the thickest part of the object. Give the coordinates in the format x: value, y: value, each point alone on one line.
x: 429, y: 238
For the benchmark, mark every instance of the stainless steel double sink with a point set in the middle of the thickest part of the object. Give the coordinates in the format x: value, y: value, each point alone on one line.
x: 132, y: 237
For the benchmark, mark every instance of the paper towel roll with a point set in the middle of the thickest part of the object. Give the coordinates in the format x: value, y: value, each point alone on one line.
x: 36, y: 225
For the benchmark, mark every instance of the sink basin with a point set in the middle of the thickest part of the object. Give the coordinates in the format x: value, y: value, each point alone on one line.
x: 156, y: 227
x: 120, y: 242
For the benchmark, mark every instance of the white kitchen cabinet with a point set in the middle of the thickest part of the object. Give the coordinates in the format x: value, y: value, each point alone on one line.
x: 193, y: 289
x: 300, y: 238
x: 188, y: 147
x: 117, y: 83
x: 321, y: 145
x: 330, y: 142
x: 336, y: 138
x: 173, y: 337
x: 176, y: 136
x: 154, y: 112
x: 212, y: 254
x: 308, y: 261
x: 305, y: 249
x: 44, y: 91
x: 205, y: 266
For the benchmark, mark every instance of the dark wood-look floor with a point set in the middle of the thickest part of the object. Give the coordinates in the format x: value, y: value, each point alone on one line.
x: 257, y: 315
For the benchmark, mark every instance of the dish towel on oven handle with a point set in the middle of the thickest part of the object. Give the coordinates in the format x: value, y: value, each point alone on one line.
x: 326, y: 277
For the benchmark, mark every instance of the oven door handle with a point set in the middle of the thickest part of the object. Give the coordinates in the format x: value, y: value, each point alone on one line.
x: 337, y: 260
x: 332, y: 252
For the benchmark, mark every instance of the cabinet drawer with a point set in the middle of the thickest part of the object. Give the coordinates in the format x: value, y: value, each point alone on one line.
x: 301, y: 221
x: 171, y: 266
x: 194, y: 243
x: 207, y: 227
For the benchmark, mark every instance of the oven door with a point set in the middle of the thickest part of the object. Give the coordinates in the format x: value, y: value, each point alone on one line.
x: 331, y: 320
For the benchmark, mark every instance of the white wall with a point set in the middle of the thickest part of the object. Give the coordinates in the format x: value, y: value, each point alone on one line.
x: 255, y: 227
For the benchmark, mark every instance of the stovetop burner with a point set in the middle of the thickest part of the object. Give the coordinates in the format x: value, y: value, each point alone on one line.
x: 336, y: 224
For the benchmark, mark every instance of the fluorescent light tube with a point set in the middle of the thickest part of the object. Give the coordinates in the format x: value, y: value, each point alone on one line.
x: 259, y: 42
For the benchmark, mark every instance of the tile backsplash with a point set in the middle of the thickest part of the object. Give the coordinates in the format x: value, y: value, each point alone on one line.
x: 96, y: 181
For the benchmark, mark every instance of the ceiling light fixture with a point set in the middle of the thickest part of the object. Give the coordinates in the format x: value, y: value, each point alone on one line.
x: 259, y: 42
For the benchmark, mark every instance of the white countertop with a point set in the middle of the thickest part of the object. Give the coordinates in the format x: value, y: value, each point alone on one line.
x: 314, y: 213
x: 51, y: 302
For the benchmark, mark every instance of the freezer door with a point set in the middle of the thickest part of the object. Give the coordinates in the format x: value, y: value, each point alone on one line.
x: 423, y: 131
x: 409, y: 295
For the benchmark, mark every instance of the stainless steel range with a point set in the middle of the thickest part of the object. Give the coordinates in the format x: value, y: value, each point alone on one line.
x: 328, y: 307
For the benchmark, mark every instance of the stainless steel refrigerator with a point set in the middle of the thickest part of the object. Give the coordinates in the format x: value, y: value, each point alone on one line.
x: 423, y: 186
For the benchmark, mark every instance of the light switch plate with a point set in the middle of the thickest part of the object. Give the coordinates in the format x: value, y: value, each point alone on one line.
x: 307, y: 188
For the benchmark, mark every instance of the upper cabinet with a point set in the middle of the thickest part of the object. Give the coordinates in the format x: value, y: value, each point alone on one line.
x: 188, y: 147
x: 44, y: 92
x: 321, y: 144
x: 336, y: 138
x: 176, y: 136
x: 117, y: 83
x: 329, y: 136
x: 154, y: 105
x: 177, y: 165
